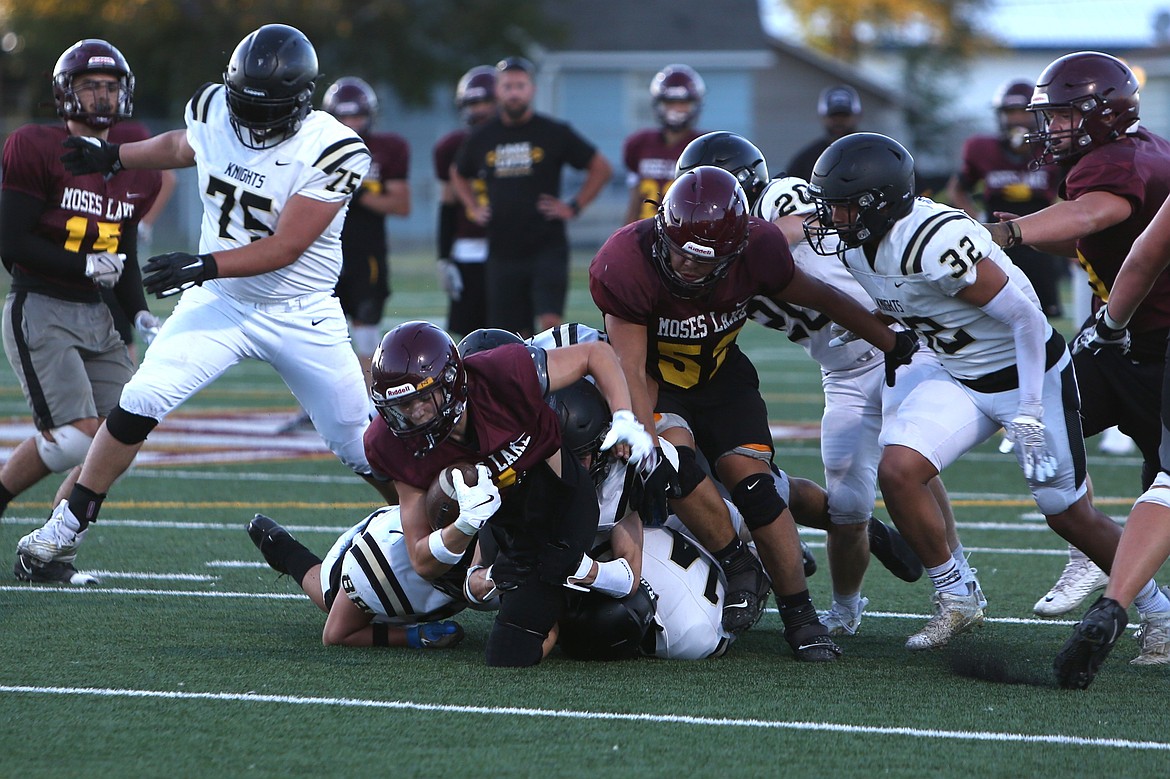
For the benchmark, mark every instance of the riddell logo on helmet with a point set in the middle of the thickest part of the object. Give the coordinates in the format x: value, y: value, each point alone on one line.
x: 690, y: 247
x: 99, y: 61
x: 397, y: 392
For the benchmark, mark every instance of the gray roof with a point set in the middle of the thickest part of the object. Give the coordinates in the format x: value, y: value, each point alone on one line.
x: 658, y: 25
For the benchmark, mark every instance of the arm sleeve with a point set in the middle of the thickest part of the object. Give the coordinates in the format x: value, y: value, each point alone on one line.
x: 1013, y: 308
x: 448, y: 215
x: 19, y: 214
x: 128, y: 290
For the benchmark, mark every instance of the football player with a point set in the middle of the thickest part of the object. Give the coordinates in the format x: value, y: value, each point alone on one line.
x: 1116, y: 177
x: 275, y: 178
x: 676, y: 93
x: 64, y: 238
x: 839, y: 109
x: 674, y: 291
x: 436, y: 408
x: 386, y: 602
x: 937, y: 272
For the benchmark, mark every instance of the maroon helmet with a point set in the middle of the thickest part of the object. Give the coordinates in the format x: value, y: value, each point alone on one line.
x: 418, y: 361
x: 677, y: 83
x: 1013, y: 96
x: 1101, y: 88
x: 92, y: 55
x: 351, y: 96
x: 704, y: 217
x: 477, y: 87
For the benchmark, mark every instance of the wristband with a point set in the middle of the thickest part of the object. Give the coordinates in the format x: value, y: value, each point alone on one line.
x: 439, y: 550
x: 1110, y: 322
x: 575, y: 206
x: 1015, y: 235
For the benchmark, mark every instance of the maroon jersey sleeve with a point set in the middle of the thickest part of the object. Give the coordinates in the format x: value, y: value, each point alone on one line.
x: 27, y: 164
x: 391, y: 157
x: 622, y: 278
x: 444, y: 153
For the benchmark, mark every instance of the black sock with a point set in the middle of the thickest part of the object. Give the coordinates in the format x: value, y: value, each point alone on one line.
x: 85, y: 504
x: 735, y: 557
x: 5, y: 498
x: 298, y: 560
x: 796, y: 610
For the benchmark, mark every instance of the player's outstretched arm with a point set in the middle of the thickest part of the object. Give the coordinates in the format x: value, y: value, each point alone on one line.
x: 302, y: 222
x: 804, y: 290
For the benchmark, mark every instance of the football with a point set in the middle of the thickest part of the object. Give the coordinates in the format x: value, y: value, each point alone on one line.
x: 442, y: 506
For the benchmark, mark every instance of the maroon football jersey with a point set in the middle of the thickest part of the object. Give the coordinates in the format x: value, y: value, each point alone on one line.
x: 650, y: 161
x: 444, y: 156
x: 1136, y: 168
x: 82, y: 214
x: 390, y: 161
x: 514, y: 428
x: 1008, y: 184
x: 687, y: 339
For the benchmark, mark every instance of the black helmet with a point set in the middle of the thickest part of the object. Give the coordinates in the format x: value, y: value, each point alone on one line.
x: 594, y: 626
x: 585, y: 419
x: 734, y: 153
x: 486, y: 338
x: 870, y: 172
x: 270, y: 80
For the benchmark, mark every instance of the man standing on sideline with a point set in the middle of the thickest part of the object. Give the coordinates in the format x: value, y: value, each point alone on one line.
x: 463, y: 247
x: 520, y: 154
x: 64, y: 238
x: 650, y: 155
x: 839, y: 108
x: 275, y: 177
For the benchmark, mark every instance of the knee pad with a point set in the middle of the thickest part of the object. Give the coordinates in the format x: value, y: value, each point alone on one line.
x: 847, y: 506
x: 365, y: 339
x: 66, y: 450
x: 757, y: 499
x: 1159, y: 491
x: 690, y: 474
x: 128, y: 427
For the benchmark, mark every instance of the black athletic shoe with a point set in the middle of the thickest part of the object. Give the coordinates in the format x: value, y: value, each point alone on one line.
x: 892, y: 551
x: 30, y: 569
x: 1092, y: 640
x: 810, y: 562
x: 747, y: 595
x: 271, y: 539
x: 812, y: 644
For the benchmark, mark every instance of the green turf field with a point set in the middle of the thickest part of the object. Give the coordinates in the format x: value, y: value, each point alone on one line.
x: 194, y: 659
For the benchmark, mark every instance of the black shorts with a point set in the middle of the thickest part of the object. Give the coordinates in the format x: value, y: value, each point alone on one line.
x: 1044, y: 271
x: 364, y: 285
x: 726, y: 413
x: 521, y: 288
x: 1116, y: 391
x: 469, y: 312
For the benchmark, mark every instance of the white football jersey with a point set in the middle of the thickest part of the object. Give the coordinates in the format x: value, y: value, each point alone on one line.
x: 925, y: 259
x: 688, y: 617
x: 245, y: 190
x: 370, y: 564
x: 804, y: 326
x: 566, y: 335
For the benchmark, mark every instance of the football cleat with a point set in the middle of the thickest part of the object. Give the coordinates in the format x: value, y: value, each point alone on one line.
x: 55, y: 541
x: 1079, y: 579
x: 810, y: 562
x: 747, y: 595
x: 29, y: 569
x: 271, y: 539
x: 1094, y: 636
x: 1153, y: 636
x: 434, y: 635
x: 953, y: 614
x: 892, y: 551
x: 811, y: 643
x: 840, y: 621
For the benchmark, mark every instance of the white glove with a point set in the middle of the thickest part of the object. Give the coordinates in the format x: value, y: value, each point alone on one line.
x: 626, y: 429
x: 1027, y: 432
x: 105, y: 268
x: 476, y: 504
x: 450, y: 279
x: 147, y: 325
x: 841, y: 336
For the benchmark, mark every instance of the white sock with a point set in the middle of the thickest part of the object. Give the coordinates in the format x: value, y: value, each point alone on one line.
x: 1151, y: 600
x: 850, y: 602
x: 960, y: 557
x: 948, y: 578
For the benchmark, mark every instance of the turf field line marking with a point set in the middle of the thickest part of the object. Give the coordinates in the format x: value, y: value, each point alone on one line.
x: 159, y: 524
x: 665, y: 719
x: 149, y: 576
x: 236, y: 564
x: 165, y: 593
x: 148, y: 472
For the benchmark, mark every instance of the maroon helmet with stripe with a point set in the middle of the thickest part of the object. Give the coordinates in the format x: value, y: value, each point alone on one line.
x: 92, y: 55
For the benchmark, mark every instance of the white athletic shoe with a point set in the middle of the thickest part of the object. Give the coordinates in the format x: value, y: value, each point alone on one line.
x: 840, y: 621
x: 1077, y: 581
x: 1153, y: 636
x: 953, y: 614
x: 1113, y: 441
x: 55, y: 541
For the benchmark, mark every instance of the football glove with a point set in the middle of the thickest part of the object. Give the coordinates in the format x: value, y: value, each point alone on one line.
x: 170, y: 274
x: 905, y: 345
x: 1097, y: 335
x: 476, y: 504
x: 1027, y: 433
x: 626, y: 429
x: 450, y: 279
x: 147, y: 325
x: 90, y: 155
x: 104, y: 268
x: 657, y: 483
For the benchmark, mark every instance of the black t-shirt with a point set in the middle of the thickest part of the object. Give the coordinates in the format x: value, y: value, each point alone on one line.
x: 518, y: 164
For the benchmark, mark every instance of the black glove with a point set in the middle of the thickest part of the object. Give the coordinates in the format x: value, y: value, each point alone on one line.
x: 653, y: 488
x: 169, y: 274
x: 905, y: 345
x: 90, y: 155
x: 1096, y: 335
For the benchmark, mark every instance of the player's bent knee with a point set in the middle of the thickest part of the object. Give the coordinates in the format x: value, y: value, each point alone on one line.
x: 129, y: 428
x: 1159, y: 491
x: 66, y: 450
x: 847, y: 506
x: 1051, y: 501
x: 690, y: 473
x: 757, y: 499
x: 513, y: 646
x: 365, y: 339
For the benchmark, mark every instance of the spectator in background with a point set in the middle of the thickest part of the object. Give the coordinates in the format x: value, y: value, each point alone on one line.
x: 364, y: 284
x: 839, y: 108
x: 463, y: 248
x: 519, y: 154
x: 63, y: 238
x: 677, y: 93
x: 999, y: 170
